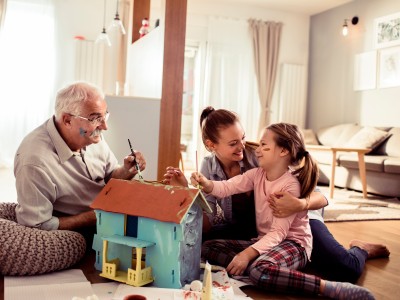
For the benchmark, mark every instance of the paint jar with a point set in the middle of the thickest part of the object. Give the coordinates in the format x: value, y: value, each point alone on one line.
x: 134, y: 297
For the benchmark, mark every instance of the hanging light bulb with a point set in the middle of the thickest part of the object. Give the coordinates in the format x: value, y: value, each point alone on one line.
x: 345, y: 29
x: 103, y: 38
x: 116, y: 24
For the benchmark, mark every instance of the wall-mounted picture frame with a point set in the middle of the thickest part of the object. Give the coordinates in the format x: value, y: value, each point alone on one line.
x: 365, y: 70
x: 387, y: 31
x: 389, y: 67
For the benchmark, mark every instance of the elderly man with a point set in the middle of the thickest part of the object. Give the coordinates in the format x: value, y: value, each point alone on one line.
x: 63, y: 164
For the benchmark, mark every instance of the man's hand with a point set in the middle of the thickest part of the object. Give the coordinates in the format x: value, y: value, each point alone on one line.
x: 133, y: 160
x: 129, y: 170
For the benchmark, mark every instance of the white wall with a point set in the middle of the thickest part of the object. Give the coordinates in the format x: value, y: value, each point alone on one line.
x: 145, y: 65
x: 137, y: 119
x: 332, y: 99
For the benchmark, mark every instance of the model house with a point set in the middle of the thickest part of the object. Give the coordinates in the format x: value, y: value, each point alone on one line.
x: 149, y: 232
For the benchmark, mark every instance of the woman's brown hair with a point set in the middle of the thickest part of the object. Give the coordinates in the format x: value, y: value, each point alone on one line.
x: 212, y: 120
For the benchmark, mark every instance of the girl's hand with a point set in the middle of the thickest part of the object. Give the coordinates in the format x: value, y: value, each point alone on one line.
x: 198, y: 179
x: 174, y: 176
x: 240, y: 262
x: 238, y: 265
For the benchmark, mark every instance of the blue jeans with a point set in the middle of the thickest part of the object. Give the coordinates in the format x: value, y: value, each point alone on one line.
x: 331, y: 260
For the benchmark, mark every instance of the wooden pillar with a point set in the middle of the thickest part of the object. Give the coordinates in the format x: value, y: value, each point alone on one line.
x: 172, y: 85
x: 141, y: 10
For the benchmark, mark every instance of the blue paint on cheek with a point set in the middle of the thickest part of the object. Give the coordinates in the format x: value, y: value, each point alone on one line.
x: 82, y: 131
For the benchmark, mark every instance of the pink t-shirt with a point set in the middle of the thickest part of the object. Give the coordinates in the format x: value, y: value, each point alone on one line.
x: 271, y: 230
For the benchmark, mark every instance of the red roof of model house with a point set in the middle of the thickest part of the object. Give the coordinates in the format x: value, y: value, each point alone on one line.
x: 147, y: 199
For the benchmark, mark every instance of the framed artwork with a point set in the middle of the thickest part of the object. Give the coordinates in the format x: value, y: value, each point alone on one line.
x: 387, y: 31
x: 389, y: 67
x: 365, y: 69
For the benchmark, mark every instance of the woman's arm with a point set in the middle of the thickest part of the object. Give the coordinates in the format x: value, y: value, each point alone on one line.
x: 283, y: 204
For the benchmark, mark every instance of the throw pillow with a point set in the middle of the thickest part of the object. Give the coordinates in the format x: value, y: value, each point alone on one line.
x: 309, y: 137
x: 367, y: 137
x: 337, y: 135
x: 392, y: 146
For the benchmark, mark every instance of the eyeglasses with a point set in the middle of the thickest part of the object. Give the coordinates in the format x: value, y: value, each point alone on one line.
x: 95, y: 120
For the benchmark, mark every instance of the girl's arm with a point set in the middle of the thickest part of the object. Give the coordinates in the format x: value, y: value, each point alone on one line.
x: 277, y: 233
x: 235, y: 185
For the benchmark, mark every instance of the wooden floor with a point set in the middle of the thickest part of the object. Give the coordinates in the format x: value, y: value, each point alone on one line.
x: 381, y: 276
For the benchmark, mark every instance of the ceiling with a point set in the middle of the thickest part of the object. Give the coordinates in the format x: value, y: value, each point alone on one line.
x: 308, y: 7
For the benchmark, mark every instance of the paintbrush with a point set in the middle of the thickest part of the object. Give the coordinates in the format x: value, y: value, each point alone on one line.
x: 135, y: 161
x: 197, y: 169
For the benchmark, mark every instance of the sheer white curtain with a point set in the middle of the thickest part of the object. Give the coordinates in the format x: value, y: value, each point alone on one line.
x: 230, y: 80
x: 3, y: 4
x: 27, y: 60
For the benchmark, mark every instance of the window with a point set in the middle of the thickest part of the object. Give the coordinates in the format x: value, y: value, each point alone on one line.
x: 27, y: 60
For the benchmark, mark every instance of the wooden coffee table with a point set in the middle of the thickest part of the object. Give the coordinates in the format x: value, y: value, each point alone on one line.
x: 361, y: 164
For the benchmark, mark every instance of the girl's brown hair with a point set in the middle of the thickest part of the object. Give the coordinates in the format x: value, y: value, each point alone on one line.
x: 289, y: 137
x: 212, y: 120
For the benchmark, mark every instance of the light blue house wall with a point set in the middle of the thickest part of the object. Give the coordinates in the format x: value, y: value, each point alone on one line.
x: 175, y: 257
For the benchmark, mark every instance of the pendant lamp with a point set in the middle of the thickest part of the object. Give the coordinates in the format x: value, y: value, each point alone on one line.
x: 103, y: 38
x: 116, y: 24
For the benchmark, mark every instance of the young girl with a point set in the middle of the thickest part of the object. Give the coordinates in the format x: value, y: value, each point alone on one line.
x: 284, y: 244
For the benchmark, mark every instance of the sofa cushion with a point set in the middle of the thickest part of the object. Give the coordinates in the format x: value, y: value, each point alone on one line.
x: 392, y: 165
x: 337, y: 135
x: 309, y: 137
x: 367, y: 137
x: 392, y: 145
x: 372, y: 162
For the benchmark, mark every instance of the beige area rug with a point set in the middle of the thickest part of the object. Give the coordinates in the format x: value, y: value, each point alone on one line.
x: 348, y: 205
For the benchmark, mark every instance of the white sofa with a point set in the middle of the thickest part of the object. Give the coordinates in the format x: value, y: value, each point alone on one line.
x: 382, y: 162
